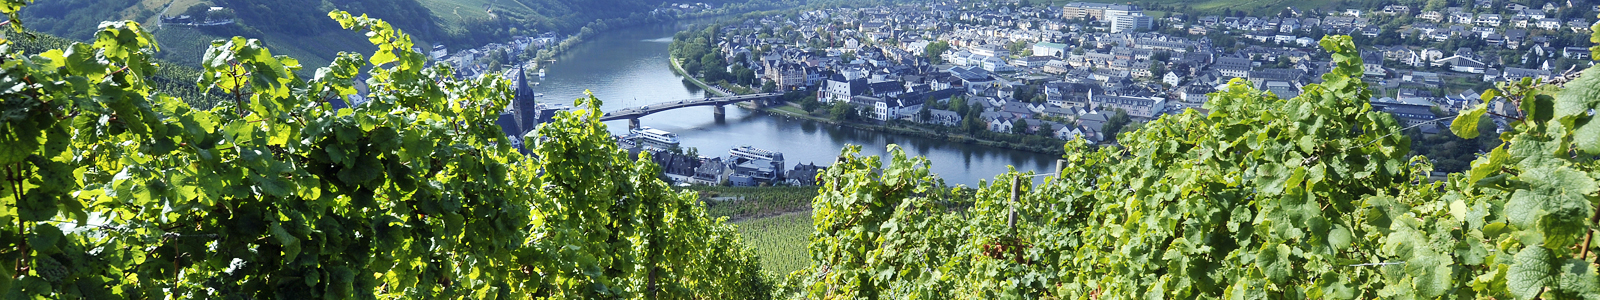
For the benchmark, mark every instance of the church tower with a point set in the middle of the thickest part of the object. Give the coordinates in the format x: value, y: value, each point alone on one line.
x: 526, y: 106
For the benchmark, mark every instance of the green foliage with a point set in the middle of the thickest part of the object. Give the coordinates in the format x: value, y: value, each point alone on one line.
x: 1263, y: 198
x: 123, y: 192
x: 779, y: 240
x: 739, y: 203
x: 934, y: 50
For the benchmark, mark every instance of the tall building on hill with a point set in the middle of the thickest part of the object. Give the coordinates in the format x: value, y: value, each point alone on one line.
x: 1097, y: 11
x: 1130, y: 21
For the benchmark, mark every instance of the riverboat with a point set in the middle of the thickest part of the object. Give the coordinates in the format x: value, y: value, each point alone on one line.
x: 751, y: 152
x: 656, y: 137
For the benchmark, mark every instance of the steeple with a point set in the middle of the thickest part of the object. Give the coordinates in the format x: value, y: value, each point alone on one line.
x: 524, y: 98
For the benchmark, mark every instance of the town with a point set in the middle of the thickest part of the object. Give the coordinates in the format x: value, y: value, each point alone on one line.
x: 1041, y: 75
x: 1064, y: 70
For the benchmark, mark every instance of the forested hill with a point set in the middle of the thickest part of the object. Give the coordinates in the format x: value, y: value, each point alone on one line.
x: 301, y: 28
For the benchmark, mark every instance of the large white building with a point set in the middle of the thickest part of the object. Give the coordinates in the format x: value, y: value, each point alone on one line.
x: 1130, y: 21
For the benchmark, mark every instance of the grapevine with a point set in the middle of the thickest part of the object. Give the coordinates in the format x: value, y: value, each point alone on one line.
x: 1262, y: 198
x: 115, y: 188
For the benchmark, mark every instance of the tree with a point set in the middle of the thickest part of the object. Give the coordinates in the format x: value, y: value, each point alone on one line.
x: 1114, y: 124
x: 1158, y: 69
x: 744, y: 76
x: 1435, y: 5
x: 959, y: 105
x: 809, y: 104
x: 842, y: 111
x: 1161, y: 56
x: 934, y: 51
x: 924, y: 114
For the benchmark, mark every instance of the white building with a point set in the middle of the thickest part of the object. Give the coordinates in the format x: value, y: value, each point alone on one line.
x: 1133, y: 21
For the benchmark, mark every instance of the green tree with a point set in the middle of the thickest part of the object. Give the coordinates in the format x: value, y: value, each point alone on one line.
x: 1161, y: 56
x: 934, y: 50
x: 1115, y: 124
x: 925, y: 113
x: 842, y: 111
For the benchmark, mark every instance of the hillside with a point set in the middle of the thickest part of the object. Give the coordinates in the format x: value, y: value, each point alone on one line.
x: 301, y: 28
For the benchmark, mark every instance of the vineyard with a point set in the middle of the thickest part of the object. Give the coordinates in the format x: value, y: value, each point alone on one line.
x: 116, y: 189
x: 740, y: 203
x: 779, y: 240
x: 185, y: 46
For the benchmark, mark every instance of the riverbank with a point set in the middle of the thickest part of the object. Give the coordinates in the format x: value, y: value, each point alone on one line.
x: 678, y: 69
x: 796, y: 112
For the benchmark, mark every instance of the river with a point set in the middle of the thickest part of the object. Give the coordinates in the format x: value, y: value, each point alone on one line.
x: 628, y: 67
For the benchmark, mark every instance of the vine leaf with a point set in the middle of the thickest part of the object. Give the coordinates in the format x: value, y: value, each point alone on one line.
x: 1530, y: 272
x: 1466, y: 124
x: 1574, y: 109
x: 1554, y: 196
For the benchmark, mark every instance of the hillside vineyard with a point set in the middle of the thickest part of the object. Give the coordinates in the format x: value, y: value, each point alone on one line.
x: 114, y: 189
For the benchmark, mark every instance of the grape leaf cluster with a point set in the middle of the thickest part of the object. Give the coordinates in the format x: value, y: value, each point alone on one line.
x: 113, y: 189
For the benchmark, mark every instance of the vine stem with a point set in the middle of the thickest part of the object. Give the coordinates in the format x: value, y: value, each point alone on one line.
x: 1583, y: 253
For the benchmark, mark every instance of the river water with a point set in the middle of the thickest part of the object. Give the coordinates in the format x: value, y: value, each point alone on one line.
x: 628, y: 67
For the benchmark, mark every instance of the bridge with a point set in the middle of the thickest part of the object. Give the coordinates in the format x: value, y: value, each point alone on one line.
x: 632, y: 114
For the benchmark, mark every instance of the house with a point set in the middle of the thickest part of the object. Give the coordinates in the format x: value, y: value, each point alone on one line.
x: 1431, y: 54
x: 1432, y: 16
x: 787, y: 76
x: 1372, y: 63
x: 761, y: 171
x: 1490, y: 20
x: 1232, y: 66
x: 1575, y: 52
x: 839, y: 89
x: 1294, y: 76
x: 803, y: 174
x: 1284, y: 90
x: 1139, y: 108
x: 1549, y: 24
x: 1517, y: 74
x: 1049, y: 49
x: 1402, y: 55
x: 712, y: 171
x: 1194, y: 95
x: 1460, y: 63
x: 942, y: 117
x: 1409, y: 114
x: 1068, y: 132
x: 1397, y: 10
x: 1000, y: 125
x: 1171, y: 78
